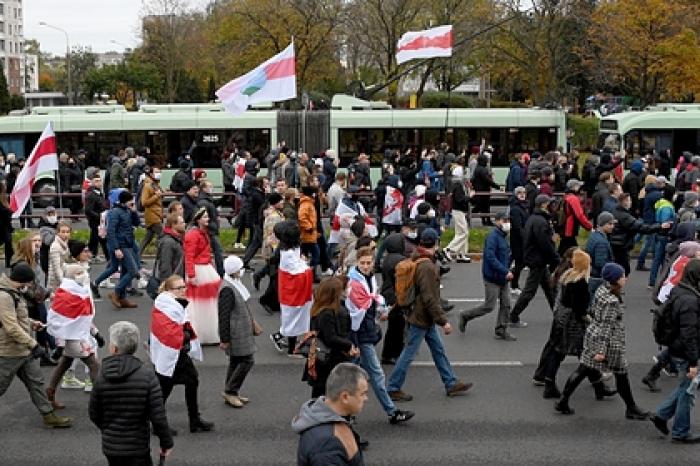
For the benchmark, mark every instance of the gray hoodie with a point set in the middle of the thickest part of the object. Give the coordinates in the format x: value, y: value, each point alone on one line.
x: 314, y: 413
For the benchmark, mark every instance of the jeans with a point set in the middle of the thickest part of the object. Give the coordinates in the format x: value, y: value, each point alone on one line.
x: 129, y: 269
x: 538, y: 276
x: 311, y: 251
x: 659, y: 256
x: 370, y: 363
x: 494, y: 293
x: 415, y: 336
x: 678, y: 404
x: 649, y: 241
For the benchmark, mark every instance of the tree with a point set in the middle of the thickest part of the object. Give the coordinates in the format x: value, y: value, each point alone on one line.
x: 82, y: 62
x: 126, y: 82
x: 5, y: 103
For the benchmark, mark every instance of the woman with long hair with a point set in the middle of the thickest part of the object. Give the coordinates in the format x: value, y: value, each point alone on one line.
x: 604, y: 344
x: 331, y: 321
x: 173, y: 344
x: 202, y: 280
x: 6, y: 223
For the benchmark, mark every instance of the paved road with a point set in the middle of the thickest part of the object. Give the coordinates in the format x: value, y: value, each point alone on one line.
x: 503, y: 420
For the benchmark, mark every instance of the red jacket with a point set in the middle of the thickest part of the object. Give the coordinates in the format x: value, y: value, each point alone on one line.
x: 197, y: 249
x: 574, y: 215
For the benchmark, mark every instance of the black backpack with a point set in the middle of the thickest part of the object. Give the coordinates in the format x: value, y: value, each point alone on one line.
x: 663, y: 326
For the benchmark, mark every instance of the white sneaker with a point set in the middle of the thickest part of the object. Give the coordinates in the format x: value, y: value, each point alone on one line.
x: 605, y: 376
x: 88, y: 385
x: 71, y: 382
x: 515, y: 291
x: 142, y: 284
x: 448, y: 254
x: 107, y: 284
x: 145, y: 271
x: 463, y: 259
x: 328, y: 273
x: 238, y: 246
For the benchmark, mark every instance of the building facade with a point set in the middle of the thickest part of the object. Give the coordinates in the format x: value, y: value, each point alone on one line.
x: 12, y: 55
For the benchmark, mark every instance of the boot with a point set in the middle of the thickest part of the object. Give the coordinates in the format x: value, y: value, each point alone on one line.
x: 116, y: 302
x: 623, y: 388
x: 601, y: 390
x: 550, y: 390
x: 126, y: 304
x: 200, y: 425
x: 650, y: 383
x: 53, y: 420
x: 51, y: 395
x: 572, y: 382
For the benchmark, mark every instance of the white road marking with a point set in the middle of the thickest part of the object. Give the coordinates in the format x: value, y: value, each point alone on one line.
x: 472, y: 363
x: 466, y: 300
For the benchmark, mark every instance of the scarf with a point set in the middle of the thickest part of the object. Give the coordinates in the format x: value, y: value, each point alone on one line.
x: 238, y: 284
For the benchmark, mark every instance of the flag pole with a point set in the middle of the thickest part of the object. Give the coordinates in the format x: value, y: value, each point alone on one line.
x: 449, y: 96
x: 59, y: 191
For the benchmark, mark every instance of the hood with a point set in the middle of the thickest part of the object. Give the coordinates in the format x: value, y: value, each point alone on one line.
x: 393, y: 181
x: 637, y: 167
x: 605, y: 159
x: 6, y: 284
x: 691, y: 275
x: 482, y: 160
x: 314, y: 413
x: 689, y: 199
x: 685, y: 232
x: 119, y: 367
x: 394, y: 244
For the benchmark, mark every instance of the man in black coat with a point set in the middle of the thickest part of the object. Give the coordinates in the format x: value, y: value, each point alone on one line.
x: 190, y: 200
x: 394, y: 338
x: 540, y: 253
x: 519, y: 213
x: 94, y: 206
x: 254, y: 203
x: 482, y: 181
x: 126, y: 400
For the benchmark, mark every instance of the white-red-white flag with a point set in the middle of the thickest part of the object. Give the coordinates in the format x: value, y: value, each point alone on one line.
x: 71, y: 312
x: 430, y: 43
x: 295, y: 281
x: 42, y: 159
x: 168, y: 323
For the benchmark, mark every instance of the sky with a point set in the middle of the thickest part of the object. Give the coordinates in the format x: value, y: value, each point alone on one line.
x: 92, y: 23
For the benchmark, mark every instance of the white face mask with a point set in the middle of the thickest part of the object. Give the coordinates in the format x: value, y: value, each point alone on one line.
x: 22, y: 289
x: 52, y: 219
x: 400, y: 184
x: 431, y: 214
x: 505, y: 227
x: 156, y: 176
x: 412, y: 234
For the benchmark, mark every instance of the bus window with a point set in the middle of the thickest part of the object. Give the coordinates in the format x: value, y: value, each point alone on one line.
x: 136, y: 139
x: 109, y: 143
x: 656, y: 140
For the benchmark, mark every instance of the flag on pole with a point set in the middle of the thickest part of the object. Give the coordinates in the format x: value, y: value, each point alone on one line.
x: 272, y: 81
x: 42, y: 159
x: 430, y: 43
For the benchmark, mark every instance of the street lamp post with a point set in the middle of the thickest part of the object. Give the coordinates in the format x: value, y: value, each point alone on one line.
x: 68, y: 67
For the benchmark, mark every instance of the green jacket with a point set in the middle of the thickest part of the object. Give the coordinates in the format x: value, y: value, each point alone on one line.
x: 15, y: 334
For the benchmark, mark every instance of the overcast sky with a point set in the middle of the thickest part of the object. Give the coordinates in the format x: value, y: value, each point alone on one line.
x: 88, y: 22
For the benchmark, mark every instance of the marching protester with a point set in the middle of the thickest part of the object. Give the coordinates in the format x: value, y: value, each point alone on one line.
x: 94, y: 206
x: 173, y: 345
x: 58, y: 254
x: 152, y: 202
x: 170, y: 256
x: 459, y: 246
x: 396, y: 321
x: 206, y: 201
x: 519, y: 212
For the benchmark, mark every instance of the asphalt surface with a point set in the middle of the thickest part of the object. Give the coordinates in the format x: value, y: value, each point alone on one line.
x: 502, y: 420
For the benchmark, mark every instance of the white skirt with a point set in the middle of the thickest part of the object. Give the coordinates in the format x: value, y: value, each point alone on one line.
x: 202, y: 310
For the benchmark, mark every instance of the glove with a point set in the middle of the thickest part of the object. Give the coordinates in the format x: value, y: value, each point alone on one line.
x: 38, y: 351
x: 100, y: 340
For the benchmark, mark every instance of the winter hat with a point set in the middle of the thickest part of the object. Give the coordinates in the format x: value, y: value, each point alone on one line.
x: 604, y: 218
x: 637, y: 167
x: 125, y: 196
x: 580, y: 261
x: 612, y: 272
x: 428, y: 238
x: 689, y: 248
x: 288, y: 234
x: 22, y: 273
x: 232, y: 264
x: 75, y: 247
x: 573, y: 184
x: 690, y: 198
x: 542, y: 199
x: 274, y: 198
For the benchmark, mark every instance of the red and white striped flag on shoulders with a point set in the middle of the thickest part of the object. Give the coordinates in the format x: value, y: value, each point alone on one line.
x: 168, y: 322
x: 42, y: 159
x: 295, y: 281
x: 430, y: 43
x: 71, y: 312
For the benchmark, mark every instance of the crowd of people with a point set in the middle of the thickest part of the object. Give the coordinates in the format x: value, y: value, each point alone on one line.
x: 325, y: 288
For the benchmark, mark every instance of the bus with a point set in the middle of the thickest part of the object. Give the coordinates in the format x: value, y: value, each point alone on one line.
x: 674, y: 127
x: 204, y: 130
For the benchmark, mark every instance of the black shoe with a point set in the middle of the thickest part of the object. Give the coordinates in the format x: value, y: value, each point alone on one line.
x: 448, y: 307
x: 363, y: 444
x: 641, y: 268
x: 660, y: 424
x: 95, y: 290
x: 636, y: 413
x: 444, y: 269
x: 563, y: 407
x: 200, y: 425
x: 505, y: 336
x: 689, y: 439
x: 551, y: 391
x: 650, y: 382
x: 601, y: 391
x: 256, y: 281
x: 400, y: 416
x: 57, y: 353
x: 463, y: 323
x: 46, y: 361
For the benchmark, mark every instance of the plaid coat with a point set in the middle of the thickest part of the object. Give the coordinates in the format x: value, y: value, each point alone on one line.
x: 606, y: 334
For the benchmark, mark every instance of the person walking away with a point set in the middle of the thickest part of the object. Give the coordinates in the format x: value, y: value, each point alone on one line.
x: 574, y: 216
x: 482, y: 182
x: 423, y: 320
x: 599, y: 249
x: 73, y: 184
x: 604, y: 344
x: 19, y: 351
x: 495, y: 269
x: 170, y: 252
x: 236, y: 331
x: 202, y: 280
x: 254, y: 204
x: 519, y: 213
x: 459, y: 246
x: 172, y: 346
x: 207, y: 201
x: 182, y: 178
x: 602, y: 192
x: 633, y: 184
x: 126, y: 401
x: 362, y: 302
x: 664, y: 212
x: 94, y: 206
x: 517, y: 173
x: 152, y: 202
x: 539, y: 254
x: 685, y: 328
x: 396, y: 323
x: 325, y: 433
x: 652, y: 194
x: 272, y: 216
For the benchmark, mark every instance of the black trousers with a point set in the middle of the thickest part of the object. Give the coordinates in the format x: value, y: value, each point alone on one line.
x: 537, y: 277
x: 516, y: 246
x: 565, y: 243
x: 238, y: 368
x: 191, y: 386
x: 130, y: 460
x: 96, y: 241
x: 254, y: 244
x: 621, y: 256
x: 6, y: 237
x: 394, y: 338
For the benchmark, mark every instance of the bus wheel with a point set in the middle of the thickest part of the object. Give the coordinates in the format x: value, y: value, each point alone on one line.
x: 47, y: 187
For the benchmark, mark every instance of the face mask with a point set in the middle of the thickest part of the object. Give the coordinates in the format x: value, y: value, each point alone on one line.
x: 400, y: 184
x: 156, y: 176
x: 412, y: 234
x: 52, y: 219
x: 431, y: 214
x: 505, y: 227
x: 22, y: 289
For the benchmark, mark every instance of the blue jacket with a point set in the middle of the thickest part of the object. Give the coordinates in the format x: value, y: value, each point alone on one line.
x: 516, y: 176
x: 653, y: 194
x: 426, y: 169
x: 496, y: 261
x: 610, y: 204
x: 121, y: 222
x: 598, y: 247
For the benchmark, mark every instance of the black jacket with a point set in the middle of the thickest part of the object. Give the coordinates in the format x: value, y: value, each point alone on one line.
x: 253, y: 206
x: 94, y: 206
x: 519, y: 214
x: 189, y: 207
x: 460, y: 197
x: 481, y: 178
x: 180, y: 180
x: 627, y: 227
x: 124, y: 402
x: 207, y: 202
x: 686, y: 315
x: 334, y: 331
x: 632, y: 185
x: 540, y: 249
x: 395, y: 253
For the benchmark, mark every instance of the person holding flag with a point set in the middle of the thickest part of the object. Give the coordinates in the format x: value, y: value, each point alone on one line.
x: 173, y: 345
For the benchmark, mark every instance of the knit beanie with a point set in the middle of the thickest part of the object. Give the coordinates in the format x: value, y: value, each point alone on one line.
x: 125, y: 196
x: 612, y: 272
x: 22, y: 273
x: 75, y: 247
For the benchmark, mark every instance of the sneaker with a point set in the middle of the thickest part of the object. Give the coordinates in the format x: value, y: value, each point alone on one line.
x: 142, y: 283
x: 88, y: 385
x: 459, y: 388
x: 690, y: 439
x: 518, y: 324
x: 71, y: 382
x: 400, y: 416
x: 505, y: 336
x: 669, y: 373
x: 56, y: 421
x: 98, y: 260
x: 328, y: 272
x: 145, y: 271
x: 605, y: 376
x: 463, y: 259
x: 276, y: 339
x: 400, y: 396
x: 515, y: 291
x: 448, y: 254
x: 295, y: 356
x: 238, y: 246
x: 108, y: 284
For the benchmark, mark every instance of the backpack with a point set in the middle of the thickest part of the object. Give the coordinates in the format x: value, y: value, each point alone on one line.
x: 662, y: 325
x: 405, y: 285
